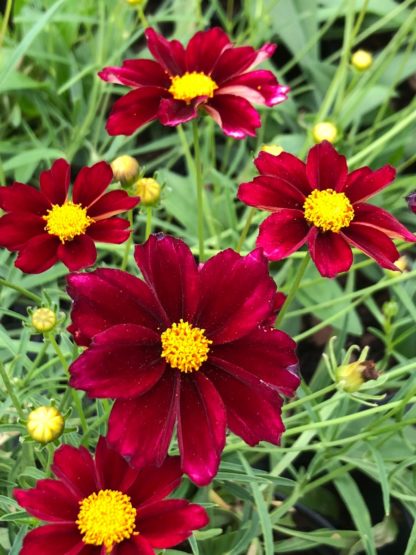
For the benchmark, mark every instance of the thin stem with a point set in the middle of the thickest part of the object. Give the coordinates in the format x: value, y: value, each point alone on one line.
x: 6, y: 18
x: 310, y: 397
x: 246, y: 227
x: 9, y: 389
x: 129, y: 241
x: 21, y: 290
x: 294, y: 288
x: 199, y: 190
x: 149, y: 213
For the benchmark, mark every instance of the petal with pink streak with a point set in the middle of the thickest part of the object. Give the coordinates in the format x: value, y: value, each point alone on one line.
x: 54, y: 183
x: 270, y: 193
x: 325, y: 168
x: 201, y: 428
x: 174, y: 112
x: 373, y: 216
x: 141, y: 428
x: 19, y: 197
x: 113, y: 230
x: 91, y: 183
x: 235, y: 115
x: 373, y: 243
x: 260, y: 87
x: 282, y: 233
x: 330, y: 252
x: 110, y: 204
x: 38, y: 254
x: 286, y: 167
x: 137, y: 73
x: 237, y: 294
x: 169, y: 53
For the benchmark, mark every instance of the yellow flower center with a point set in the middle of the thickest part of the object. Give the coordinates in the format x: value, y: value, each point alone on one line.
x: 190, y: 85
x: 106, y: 518
x: 185, y: 347
x: 328, y: 210
x: 66, y: 221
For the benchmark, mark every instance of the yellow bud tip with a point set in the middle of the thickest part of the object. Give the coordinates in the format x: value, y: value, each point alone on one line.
x: 402, y: 265
x: 324, y: 131
x: 43, y: 319
x: 45, y: 424
x: 148, y: 189
x: 135, y: 2
x: 275, y: 150
x: 125, y: 168
x: 362, y: 60
x: 350, y: 377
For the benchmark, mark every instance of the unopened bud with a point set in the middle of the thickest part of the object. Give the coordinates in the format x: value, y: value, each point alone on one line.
x: 390, y: 309
x: 148, y: 189
x: 411, y: 201
x: 324, y: 131
x: 43, y: 319
x: 403, y: 265
x: 272, y: 149
x: 351, y: 376
x: 362, y: 60
x: 45, y: 424
x: 125, y: 169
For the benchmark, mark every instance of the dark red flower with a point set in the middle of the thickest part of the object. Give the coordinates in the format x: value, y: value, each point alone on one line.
x: 321, y: 203
x: 46, y: 226
x: 210, y: 74
x: 190, y: 345
x: 411, y: 201
x: 101, y: 505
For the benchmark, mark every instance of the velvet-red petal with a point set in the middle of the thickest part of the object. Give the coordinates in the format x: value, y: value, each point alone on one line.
x: 233, y: 61
x: 270, y: 193
x: 64, y: 539
x: 113, y: 230
x: 368, y: 184
x: 282, y: 233
x: 19, y: 197
x: 111, y: 204
x: 112, y: 470
x: 330, y: 253
x: 204, y: 49
x: 78, y: 253
x: 373, y: 216
x: 201, y: 415
x: 325, y: 168
x: 122, y: 362
x: 38, y: 254
x: 91, y: 183
x: 285, y: 167
x: 235, y: 115
x: 54, y: 183
x: 155, y: 483
x: 75, y: 468
x: 174, y: 112
x: 49, y: 500
x: 373, y: 243
x: 261, y: 83
x: 134, y: 110
x: 169, y: 54
x: 17, y: 228
x: 137, y: 73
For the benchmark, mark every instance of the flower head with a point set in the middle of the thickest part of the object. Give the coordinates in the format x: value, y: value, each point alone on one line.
x: 191, y: 345
x: 45, y: 424
x: 125, y: 169
x: 322, y: 204
x: 43, y: 319
x: 47, y: 226
x: 362, y: 60
x: 209, y: 74
x: 103, y: 506
x: 148, y: 189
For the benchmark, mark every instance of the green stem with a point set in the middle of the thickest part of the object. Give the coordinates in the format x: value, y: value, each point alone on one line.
x: 294, y: 288
x: 310, y: 397
x: 9, y: 389
x: 246, y: 227
x: 6, y: 18
x: 149, y: 213
x: 21, y: 290
x: 199, y: 190
x: 129, y: 241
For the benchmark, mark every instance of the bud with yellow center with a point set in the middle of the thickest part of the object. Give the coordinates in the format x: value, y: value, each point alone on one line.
x: 350, y: 377
x: 45, y: 424
x: 125, y: 169
x: 275, y: 150
x: 43, y: 319
x: 324, y: 131
x: 362, y: 60
x: 148, y: 189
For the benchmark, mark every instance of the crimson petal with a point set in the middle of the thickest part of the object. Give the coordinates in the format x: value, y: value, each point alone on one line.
x: 54, y: 183
x: 75, y: 468
x: 237, y: 294
x: 141, y: 428
x: 114, y: 230
x: 202, y: 416
x: 23, y: 198
x: 53, y: 539
x: 233, y: 61
x: 134, y: 110
x: 91, y: 183
x: 111, y: 204
x: 166, y: 523
x: 136, y: 545
x: 49, y: 500
x: 235, y: 115
x: 18, y: 228
x: 153, y: 484
x: 170, y: 270
x: 270, y: 193
x: 259, y: 86
x: 174, y: 112
x: 373, y: 216
x: 204, y: 49
x: 136, y: 73
x: 122, y: 362
x: 366, y: 184
x: 330, y: 253
x: 285, y: 167
x: 113, y: 472
x: 325, y: 168
x: 170, y: 54
x: 78, y: 253
x: 38, y: 254
x: 282, y: 233
x: 373, y: 243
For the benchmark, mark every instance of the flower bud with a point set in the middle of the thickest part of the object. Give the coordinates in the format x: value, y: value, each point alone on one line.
x: 125, y: 169
x: 43, y: 319
x: 411, y: 201
x: 403, y: 265
x: 272, y: 149
x: 324, y: 131
x: 350, y: 377
x: 148, y: 189
x: 45, y: 424
x: 362, y: 60
x: 390, y: 309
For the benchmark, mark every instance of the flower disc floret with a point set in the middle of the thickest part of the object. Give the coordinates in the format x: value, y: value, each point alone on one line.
x: 328, y: 210
x: 67, y: 220
x: 190, y: 85
x: 185, y: 347
x: 106, y: 518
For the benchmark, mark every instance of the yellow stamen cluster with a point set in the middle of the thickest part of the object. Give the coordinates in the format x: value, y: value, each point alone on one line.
x: 106, y: 518
x: 43, y: 319
x: 66, y: 221
x: 328, y: 210
x: 45, y: 424
x: 185, y: 347
x: 190, y: 85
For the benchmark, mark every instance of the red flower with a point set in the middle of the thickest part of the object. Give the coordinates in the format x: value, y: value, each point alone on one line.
x: 191, y: 345
x: 321, y: 203
x: 46, y: 226
x: 103, y: 506
x: 210, y: 74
